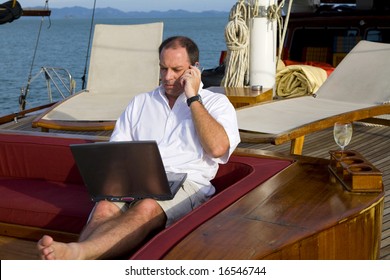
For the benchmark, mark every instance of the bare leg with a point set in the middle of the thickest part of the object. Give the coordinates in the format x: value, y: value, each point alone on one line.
x: 106, y: 237
x: 101, y: 213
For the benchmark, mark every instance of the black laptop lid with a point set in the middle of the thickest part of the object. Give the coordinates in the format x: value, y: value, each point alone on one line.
x: 122, y: 170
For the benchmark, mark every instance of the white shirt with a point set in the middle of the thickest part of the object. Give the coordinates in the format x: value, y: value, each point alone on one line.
x: 149, y: 117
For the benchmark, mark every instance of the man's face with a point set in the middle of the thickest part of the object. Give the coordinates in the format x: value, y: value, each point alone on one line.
x: 173, y: 63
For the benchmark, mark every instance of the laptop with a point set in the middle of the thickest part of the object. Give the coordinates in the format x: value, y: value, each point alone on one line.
x: 125, y: 171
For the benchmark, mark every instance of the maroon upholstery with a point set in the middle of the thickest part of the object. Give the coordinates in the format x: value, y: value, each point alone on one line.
x: 45, y: 204
x: 40, y: 184
x: 255, y: 171
x: 38, y: 157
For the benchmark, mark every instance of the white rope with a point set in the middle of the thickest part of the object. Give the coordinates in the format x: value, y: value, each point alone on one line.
x: 237, y: 37
x: 237, y: 42
x: 283, y: 28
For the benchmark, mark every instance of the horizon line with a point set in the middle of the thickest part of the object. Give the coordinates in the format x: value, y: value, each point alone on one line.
x: 67, y: 7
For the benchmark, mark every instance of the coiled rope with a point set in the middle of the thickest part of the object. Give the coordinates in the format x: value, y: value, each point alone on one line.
x: 237, y: 42
x: 237, y: 37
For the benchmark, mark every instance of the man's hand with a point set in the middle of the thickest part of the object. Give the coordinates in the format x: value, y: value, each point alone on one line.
x: 190, y: 81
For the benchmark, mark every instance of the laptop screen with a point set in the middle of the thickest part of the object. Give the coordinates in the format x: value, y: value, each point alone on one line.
x: 122, y: 170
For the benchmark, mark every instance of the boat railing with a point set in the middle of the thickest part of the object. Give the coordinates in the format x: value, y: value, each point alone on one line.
x: 61, y: 79
x: 56, y: 77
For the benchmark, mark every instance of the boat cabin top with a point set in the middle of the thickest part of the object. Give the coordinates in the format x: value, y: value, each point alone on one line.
x: 329, y: 33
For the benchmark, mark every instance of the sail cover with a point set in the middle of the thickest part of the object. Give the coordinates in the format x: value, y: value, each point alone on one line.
x: 9, y: 11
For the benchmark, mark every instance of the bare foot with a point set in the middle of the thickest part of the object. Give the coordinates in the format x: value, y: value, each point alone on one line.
x: 52, y: 250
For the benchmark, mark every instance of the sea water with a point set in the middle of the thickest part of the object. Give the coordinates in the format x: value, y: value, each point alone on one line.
x: 64, y: 43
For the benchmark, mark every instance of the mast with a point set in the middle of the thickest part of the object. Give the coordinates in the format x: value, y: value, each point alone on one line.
x: 263, y: 44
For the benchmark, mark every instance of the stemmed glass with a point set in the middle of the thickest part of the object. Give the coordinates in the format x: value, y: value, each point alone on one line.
x: 342, y: 132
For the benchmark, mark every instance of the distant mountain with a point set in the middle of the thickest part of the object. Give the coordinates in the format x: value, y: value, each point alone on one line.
x: 80, y: 12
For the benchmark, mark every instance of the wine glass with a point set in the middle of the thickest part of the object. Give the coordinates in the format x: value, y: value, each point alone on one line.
x: 342, y: 132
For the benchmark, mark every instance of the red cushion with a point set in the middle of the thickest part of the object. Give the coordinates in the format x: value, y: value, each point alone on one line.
x: 326, y: 66
x: 46, y: 204
x: 230, y: 173
x: 36, y: 157
x: 40, y: 184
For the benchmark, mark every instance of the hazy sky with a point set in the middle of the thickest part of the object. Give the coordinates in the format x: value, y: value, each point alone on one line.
x: 139, y: 5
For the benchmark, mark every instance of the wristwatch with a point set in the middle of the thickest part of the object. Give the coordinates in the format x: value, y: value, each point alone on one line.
x: 194, y: 98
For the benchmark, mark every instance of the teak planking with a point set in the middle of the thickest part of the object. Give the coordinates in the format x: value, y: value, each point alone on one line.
x: 298, y: 214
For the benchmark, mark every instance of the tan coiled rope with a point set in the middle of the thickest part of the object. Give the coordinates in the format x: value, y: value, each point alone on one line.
x: 237, y: 43
x: 237, y: 37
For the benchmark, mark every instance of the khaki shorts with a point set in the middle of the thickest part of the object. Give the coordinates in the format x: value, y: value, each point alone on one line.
x: 186, y: 199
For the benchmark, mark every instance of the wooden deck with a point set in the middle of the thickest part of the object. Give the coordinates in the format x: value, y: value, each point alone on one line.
x: 373, y: 142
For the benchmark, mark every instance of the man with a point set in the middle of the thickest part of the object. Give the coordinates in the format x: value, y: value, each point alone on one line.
x: 195, y: 130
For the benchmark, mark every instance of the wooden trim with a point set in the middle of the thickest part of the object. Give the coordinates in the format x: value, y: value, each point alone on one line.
x: 34, y: 233
x: 13, y: 116
x: 46, y: 125
x: 377, y: 121
x: 95, y: 138
x: 297, y: 145
x: 331, y: 243
x: 277, y: 139
x: 244, y: 96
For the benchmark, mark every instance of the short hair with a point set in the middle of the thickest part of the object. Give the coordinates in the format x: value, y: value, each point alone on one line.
x: 181, y: 41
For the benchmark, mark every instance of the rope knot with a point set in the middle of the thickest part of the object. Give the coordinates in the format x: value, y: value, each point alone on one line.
x: 274, y: 12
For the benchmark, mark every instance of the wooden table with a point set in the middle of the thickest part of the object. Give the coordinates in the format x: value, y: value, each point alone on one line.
x: 242, y: 96
x: 301, y: 213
